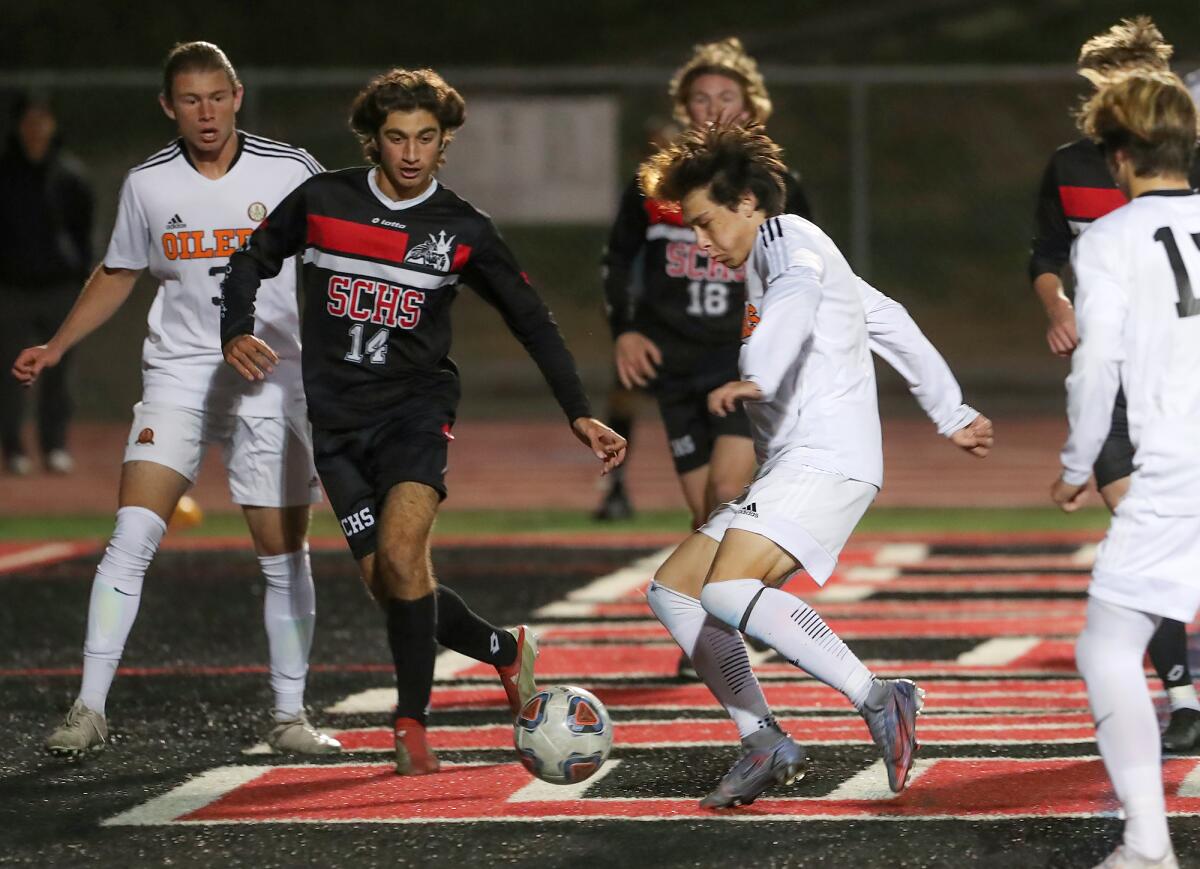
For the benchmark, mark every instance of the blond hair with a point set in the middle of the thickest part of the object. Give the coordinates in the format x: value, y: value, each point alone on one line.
x: 728, y: 58
x: 1150, y: 115
x: 1131, y: 43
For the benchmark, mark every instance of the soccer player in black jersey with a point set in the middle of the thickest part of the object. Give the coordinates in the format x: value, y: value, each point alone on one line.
x: 1078, y: 188
x: 384, y: 248
x: 681, y: 336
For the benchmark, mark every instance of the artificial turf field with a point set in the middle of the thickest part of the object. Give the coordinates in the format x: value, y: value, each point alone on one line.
x: 980, y: 607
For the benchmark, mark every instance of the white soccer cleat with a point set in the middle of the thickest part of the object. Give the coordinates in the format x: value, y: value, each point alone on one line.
x: 1124, y: 858
x: 83, y: 730
x: 59, y: 462
x: 297, y: 736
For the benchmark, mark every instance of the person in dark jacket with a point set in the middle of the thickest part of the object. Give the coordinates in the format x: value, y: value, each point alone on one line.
x: 46, y: 208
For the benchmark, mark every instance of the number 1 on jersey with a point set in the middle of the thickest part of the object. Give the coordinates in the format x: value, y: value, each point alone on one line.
x: 376, y: 348
x: 1188, y: 305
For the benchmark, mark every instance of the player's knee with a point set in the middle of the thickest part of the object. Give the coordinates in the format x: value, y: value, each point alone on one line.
x: 402, y: 571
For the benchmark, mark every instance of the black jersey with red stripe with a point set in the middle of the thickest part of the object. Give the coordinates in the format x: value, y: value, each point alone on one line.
x: 378, y: 281
x: 658, y: 282
x: 1077, y: 188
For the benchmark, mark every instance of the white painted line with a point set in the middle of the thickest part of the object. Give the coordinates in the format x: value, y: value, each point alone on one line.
x: 1085, y: 555
x: 1190, y: 786
x: 999, y: 651
x: 901, y: 553
x: 188, y: 797
x: 449, y: 664
x: 365, y: 702
x: 612, y: 586
x: 871, y: 574
x: 872, y: 782
x: 538, y: 791
x: 37, y: 555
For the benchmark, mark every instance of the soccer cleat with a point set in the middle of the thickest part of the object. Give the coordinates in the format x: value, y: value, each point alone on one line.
x: 614, y: 507
x: 20, y: 465
x: 413, y: 754
x: 297, y: 736
x: 780, y: 763
x: 1124, y: 858
x: 83, y: 730
x: 891, y: 714
x: 1183, y: 730
x: 59, y: 462
x: 517, y: 677
x: 686, y: 670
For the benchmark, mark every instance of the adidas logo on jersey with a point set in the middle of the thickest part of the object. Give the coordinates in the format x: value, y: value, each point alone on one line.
x: 176, y: 222
x: 750, y: 509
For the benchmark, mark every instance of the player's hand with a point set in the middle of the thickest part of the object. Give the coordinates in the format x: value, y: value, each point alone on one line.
x: 637, y: 359
x: 608, y: 446
x: 32, y: 360
x: 975, y: 437
x: 250, y: 357
x: 1067, y: 496
x: 1061, y: 334
x: 723, y: 400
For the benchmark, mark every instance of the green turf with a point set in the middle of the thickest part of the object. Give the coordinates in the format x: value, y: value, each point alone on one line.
x: 891, y: 519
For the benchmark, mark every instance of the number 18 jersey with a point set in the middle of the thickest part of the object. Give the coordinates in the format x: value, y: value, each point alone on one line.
x: 184, y: 226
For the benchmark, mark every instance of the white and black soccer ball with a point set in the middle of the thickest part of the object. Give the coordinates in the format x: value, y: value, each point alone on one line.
x: 563, y: 734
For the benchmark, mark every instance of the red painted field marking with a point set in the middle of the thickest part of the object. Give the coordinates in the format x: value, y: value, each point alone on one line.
x: 16, y: 556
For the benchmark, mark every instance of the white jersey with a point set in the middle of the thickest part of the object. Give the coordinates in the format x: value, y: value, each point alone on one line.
x: 183, y: 227
x: 810, y: 327
x: 1137, y: 270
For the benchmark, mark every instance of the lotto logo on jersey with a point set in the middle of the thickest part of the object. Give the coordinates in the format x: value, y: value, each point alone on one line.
x: 365, y: 300
x: 749, y: 321
x: 357, y: 522
x: 686, y: 260
x: 201, y: 244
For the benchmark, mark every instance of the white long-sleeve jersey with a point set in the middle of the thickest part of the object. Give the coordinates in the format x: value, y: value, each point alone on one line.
x: 810, y: 327
x: 1139, y: 325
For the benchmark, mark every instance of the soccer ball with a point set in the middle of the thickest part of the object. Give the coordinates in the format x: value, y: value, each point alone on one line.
x: 187, y: 514
x: 563, y: 734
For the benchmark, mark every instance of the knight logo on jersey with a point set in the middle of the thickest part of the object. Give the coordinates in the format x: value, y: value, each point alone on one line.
x: 434, y: 252
x: 749, y: 321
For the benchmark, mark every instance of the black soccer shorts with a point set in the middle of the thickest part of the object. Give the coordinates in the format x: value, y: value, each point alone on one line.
x: 691, y: 429
x: 359, y: 466
x: 1116, y: 456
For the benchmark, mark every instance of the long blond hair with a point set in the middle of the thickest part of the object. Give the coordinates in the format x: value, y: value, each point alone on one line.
x: 726, y: 57
x: 1132, y: 42
x: 1150, y: 115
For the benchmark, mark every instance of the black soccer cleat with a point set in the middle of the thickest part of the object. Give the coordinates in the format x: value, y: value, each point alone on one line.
x: 614, y: 507
x: 1183, y: 731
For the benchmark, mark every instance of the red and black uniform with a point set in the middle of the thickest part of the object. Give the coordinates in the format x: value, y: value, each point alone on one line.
x: 379, y: 278
x: 658, y: 282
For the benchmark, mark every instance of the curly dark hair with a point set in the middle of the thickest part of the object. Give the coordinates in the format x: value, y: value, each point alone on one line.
x: 404, y: 90
x: 730, y: 160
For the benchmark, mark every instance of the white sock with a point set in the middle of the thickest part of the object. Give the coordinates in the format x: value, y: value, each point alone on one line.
x: 1183, y: 697
x: 116, y: 594
x: 719, y: 655
x: 289, y: 611
x: 1109, y: 653
x: 793, y: 629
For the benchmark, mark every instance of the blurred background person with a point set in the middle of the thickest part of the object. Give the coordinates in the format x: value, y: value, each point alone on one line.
x: 46, y: 207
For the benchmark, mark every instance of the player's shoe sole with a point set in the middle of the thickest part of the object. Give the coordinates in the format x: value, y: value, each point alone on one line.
x: 413, y: 754
x: 83, y: 732
x: 518, y: 677
x: 891, y: 714
x: 781, y: 763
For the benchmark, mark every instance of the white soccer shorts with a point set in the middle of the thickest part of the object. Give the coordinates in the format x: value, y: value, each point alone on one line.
x: 268, y: 459
x: 808, y: 513
x: 1149, y: 562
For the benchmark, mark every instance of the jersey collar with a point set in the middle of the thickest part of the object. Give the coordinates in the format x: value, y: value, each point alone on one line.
x: 392, y: 204
x: 1172, y: 192
x: 241, y: 140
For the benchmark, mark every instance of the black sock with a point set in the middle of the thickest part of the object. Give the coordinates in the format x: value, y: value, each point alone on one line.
x: 460, y: 629
x: 1168, y: 653
x: 411, y: 627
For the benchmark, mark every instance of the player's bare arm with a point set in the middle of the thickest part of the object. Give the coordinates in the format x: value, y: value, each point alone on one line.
x: 250, y: 357
x: 608, y: 446
x: 723, y: 400
x: 975, y: 437
x: 637, y: 359
x: 103, y: 293
x: 1061, y: 334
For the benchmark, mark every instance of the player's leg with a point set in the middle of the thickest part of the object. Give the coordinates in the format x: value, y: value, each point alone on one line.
x: 54, y: 403
x: 272, y: 478
x: 1109, y: 654
x: 622, y: 406
x: 732, y: 462
x: 161, y: 460
x: 684, y: 418
x: 16, y: 332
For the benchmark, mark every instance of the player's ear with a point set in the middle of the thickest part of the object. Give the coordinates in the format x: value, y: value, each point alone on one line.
x: 168, y: 109
x: 747, y: 204
x: 238, y: 93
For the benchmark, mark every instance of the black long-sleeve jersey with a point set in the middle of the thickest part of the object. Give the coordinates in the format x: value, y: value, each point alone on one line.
x: 687, y: 304
x: 1077, y: 188
x: 378, y: 280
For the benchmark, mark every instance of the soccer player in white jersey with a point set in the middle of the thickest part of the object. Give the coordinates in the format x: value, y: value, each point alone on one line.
x: 1138, y: 318
x: 808, y: 385
x: 181, y: 214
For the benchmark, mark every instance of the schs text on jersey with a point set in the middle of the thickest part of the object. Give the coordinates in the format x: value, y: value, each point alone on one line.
x: 686, y: 260
x: 367, y: 300
x: 203, y: 244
